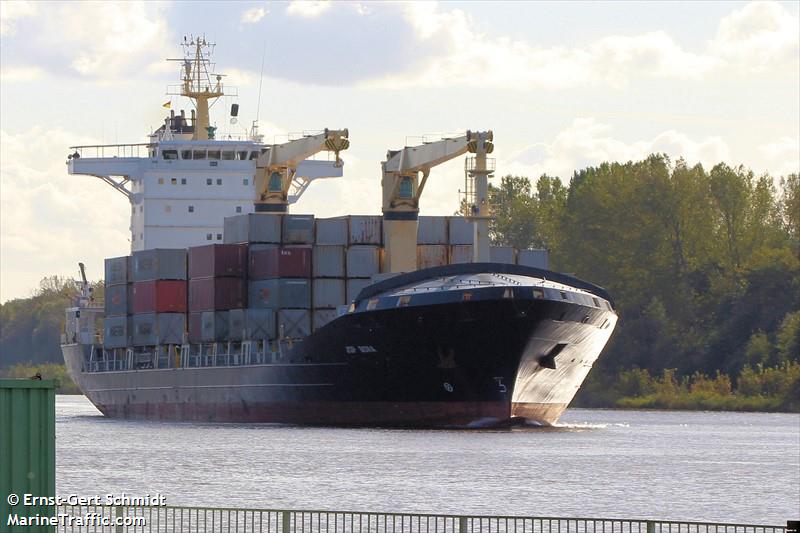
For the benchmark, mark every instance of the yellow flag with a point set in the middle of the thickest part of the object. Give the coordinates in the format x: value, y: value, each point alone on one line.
x: 167, y: 105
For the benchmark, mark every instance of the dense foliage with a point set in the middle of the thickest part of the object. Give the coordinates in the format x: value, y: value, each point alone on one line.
x: 30, y: 328
x: 704, y: 267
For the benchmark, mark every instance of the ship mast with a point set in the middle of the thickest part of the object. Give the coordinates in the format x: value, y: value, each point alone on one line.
x: 197, y: 83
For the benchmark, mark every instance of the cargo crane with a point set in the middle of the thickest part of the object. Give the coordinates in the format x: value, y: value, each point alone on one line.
x: 276, y: 168
x: 405, y: 173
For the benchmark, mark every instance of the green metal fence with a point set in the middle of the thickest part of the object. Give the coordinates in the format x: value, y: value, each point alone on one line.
x: 200, y: 519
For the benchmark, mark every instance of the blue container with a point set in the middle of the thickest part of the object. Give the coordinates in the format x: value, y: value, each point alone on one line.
x: 328, y: 261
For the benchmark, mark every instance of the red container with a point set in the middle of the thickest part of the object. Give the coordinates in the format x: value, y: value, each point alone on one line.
x: 195, y: 327
x: 286, y: 262
x: 217, y: 294
x: 159, y: 296
x: 218, y: 260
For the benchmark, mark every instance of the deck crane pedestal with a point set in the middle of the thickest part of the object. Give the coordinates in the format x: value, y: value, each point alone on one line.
x: 276, y: 167
x: 405, y: 173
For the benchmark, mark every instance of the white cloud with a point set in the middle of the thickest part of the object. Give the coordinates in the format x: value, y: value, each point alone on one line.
x: 49, y: 220
x: 20, y: 74
x: 758, y: 35
x: 308, y: 8
x: 253, y: 15
x: 751, y: 38
x: 11, y: 11
x: 586, y: 142
x: 783, y: 155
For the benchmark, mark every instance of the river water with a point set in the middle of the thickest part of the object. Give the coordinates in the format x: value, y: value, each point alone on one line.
x: 732, y: 467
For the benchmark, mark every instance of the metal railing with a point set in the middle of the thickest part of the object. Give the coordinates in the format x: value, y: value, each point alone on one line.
x: 230, y: 520
x: 113, y: 150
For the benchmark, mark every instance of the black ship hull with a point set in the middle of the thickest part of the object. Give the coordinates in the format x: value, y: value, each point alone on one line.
x: 488, y: 360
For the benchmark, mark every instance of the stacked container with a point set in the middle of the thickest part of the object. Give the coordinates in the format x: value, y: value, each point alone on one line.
x: 329, y: 269
x: 217, y: 274
x: 363, y: 257
x: 158, y: 297
x: 118, y: 306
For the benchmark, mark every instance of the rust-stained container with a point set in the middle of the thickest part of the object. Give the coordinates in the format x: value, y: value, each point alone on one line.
x: 431, y: 255
x: 195, y: 327
x: 332, y: 231
x: 218, y: 260
x: 363, y: 261
x: 267, y: 261
x: 328, y: 261
x: 460, y: 253
x: 117, y: 332
x: 217, y: 294
x: 27, y: 448
x: 118, y: 270
x: 118, y: 300
x: 432, y: 230
x: 328, y: 293
x: 161, y: 296
x: 365, y: 229
x: 254, y: 228
x: 251, y: 324
x: 460, y: 230
x: 298, y: 229
x: 503, y: 254
x: 292, y: 293
x: 159, y: 263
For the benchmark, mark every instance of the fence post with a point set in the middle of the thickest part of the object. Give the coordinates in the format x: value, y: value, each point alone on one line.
x: 118, y: 514
x: 462, y: 524
x: 287, y: 516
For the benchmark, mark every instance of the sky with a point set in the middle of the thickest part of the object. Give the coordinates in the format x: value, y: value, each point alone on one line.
x: 563, y: 85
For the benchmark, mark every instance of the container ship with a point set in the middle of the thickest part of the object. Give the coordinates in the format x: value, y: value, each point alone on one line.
x: 232, y: 309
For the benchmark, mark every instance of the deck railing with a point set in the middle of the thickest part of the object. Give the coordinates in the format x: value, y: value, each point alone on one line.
x: 166, y: 519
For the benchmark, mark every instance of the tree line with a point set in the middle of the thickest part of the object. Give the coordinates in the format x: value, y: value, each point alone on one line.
x: 704, y: 265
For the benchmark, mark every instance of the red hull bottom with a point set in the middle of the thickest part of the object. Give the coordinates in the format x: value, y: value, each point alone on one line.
x: 404, y: 414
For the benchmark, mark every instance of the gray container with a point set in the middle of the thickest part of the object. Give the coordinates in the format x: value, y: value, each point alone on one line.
x: 329, y: 293
x: 298, y: 229
x: 432, y: 230
x: 365, y: 229
x: 460, y: 253
x: 116, y: 332
x: 534, y: 258
x: 151, y: 329
x: 118, y: 300
x: 328, y: 261
x: 294, y: 323
x: 295, y: 293
x: 253, y: 227
x: 431, y: 255
x: 158, y: 264
x: 320, y: 317
x: 214, y: 326
x: 117, y: 270
x: 332, y: 231
x: 502, y: 254
x: 363, y: 261
x: 354, y: 286
x: 284, y: 292
x: 251, y: 324
x: 461, y: 230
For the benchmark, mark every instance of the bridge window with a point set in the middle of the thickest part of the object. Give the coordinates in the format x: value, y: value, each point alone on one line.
x: 245, y: 182
x: 174, y: 181
x: 186, y: 154
x: 168, y: 208
x: 219, y: 236
x: 208, y: 236
x: 241, y: 155
x: 253, y: 155
x: 183, y: 181
x: 169, y: 154
x: 238, y: 209
x: 406, y: 189
x: 227, y: 155
x: 191, y: 209
x: 209, y: 181
x: 213, y: 154
x: 199, y: 154
x: 219, y: 181
x: 161, y: 181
